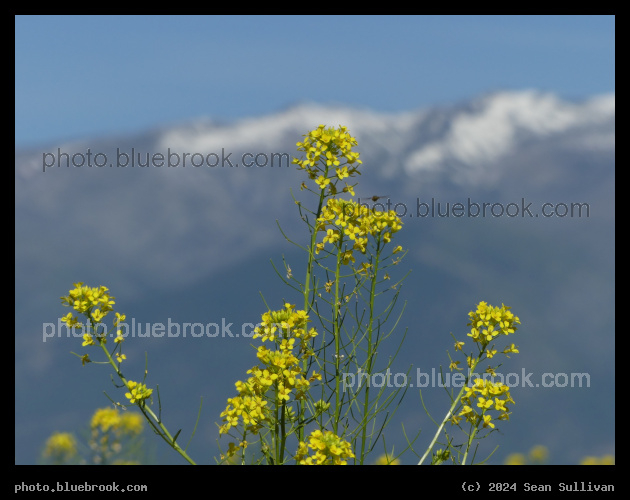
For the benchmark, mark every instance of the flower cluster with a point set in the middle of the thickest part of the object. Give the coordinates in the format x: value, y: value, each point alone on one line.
x: 325, y: 150
x: 105, y: 419
x: 279, y: 375
x: 482, y: 397
x: 95, y: 303
x: 286, y: 325
x: 329, y: 449
x: 138, y: 392
x: 115, y: 437
x: 61, y: 446
x: 538, y: 455
x: 109, y: 426
x: 350, y: 222
x: 489, y: 322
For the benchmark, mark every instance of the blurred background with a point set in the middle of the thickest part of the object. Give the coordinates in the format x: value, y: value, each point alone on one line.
x: 446, y: 109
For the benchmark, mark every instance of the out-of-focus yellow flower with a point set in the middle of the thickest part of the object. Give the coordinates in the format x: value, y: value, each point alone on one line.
x: 515, y: 459
x: 61, y: 446
x: 386, y: 460
x: 131, y: 423
x: 605, y: 460
x: 538, y: 453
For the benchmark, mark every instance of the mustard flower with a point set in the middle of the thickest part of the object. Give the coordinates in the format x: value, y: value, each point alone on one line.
x: 515, y: 459
x: 386, y: 460
x: 322, y: 181
x: 131, y: 423
x: 279, y: 377
x: 105, y: 419
x: 138, y: 392
x: 119, y: 319
x: 538, y: 453
x: 329, y: 449
x: 509, y: 349
x: 71, y: 321
x: 97, y: 315
x: 326, y: 148
x: 349, y: 189
x: 605, y: 460
x: 61, y: 446
x: 487, y: 421
x: 85, y: 300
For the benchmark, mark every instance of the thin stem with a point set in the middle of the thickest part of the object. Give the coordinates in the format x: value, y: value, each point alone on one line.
x: 450, y: 412
x: 164, y: 434
x: 336, y: 306
x: 307, y: 296
x: 370, y: 355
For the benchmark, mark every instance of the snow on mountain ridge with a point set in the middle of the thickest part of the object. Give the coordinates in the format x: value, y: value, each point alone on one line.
x: 463, y: 142
x: 474, y: 134
x: 490, y: 131
x: 273, y: 129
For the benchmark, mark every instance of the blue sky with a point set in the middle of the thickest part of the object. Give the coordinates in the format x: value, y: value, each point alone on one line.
x: 80, y: 76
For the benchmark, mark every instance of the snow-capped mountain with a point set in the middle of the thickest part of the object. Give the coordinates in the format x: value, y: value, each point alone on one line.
x: 173, y: 240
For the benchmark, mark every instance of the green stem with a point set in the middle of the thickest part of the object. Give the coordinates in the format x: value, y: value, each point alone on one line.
x: 370, y: 354
x: 336, y: 333
x: 471, y: 438
x: 450, y: 412
x: 156, y: 422
x: 307, y: 298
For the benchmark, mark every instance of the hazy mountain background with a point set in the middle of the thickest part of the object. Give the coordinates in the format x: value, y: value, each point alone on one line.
x: 194, y: 245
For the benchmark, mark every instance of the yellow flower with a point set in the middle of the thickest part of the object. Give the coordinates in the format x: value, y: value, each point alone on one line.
x: 322, y: 181
x: 329, y: 449
x: 387, y: 460
x: 342, y: 173
x: 453, y: 366
x: 485, y: 403
x: 138, y: 392
x: 70, y: 320
x: 119, y: 319
x: 487, y: 421
x: 605, y: 460
x: 515, y: 459
x: 538, y: 453
x: 105, y: 419
x: 131, y: 423
x: 61, y: 445
x: 455, y: 419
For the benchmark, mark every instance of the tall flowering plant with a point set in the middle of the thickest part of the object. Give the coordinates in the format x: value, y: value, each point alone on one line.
x: 296, y: 405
